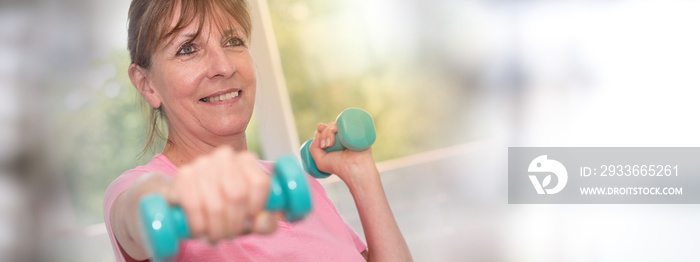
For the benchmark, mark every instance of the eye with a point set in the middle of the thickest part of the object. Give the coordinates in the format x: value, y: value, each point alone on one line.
x: 235, y: 41
x: 186, y: 49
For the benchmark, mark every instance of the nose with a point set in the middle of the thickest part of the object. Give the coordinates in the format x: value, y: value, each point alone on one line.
x: 220, y: 64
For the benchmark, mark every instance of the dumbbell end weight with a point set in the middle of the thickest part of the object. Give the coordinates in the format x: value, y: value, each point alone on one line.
x: 308, y: 163
x: 289, y: 191
x: 355, y: 129
x: 162, y: 227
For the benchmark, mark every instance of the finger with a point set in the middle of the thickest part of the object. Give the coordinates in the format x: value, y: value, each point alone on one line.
x: 323, y: 130
x: 317, y: 140
x: 320, y: 138
x: 323, y: 136
x: 325, y: 141
x: 213, y: 203
x: 170, y: 194
x: 227, y: 182
x: 320, y: 127
x: 317, y: 153
x: 258, y: 183
x: 188, y: 198
x: 235, y: 185
x: 219, y: 209
x: 264, y: 223
x: 330, y: 135
x: 315, y: 144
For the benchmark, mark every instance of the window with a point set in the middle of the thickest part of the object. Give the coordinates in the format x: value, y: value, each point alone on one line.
x: 377, y: 55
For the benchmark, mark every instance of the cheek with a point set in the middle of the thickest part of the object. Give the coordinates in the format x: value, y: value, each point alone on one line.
x: 181, y: 81
x: 246, y: 68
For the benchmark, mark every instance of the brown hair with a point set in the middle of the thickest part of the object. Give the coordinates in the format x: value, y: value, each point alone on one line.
x: 149, y: 22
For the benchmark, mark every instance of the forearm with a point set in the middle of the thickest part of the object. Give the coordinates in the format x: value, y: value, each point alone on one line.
x: 124, y: 214
x: 384, y: 239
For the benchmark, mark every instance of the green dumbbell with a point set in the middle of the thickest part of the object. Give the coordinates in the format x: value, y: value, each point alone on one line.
x: 355, y: 132
x: 164, y: 226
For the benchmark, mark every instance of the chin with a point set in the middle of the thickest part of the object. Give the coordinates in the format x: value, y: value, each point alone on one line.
x: 230, y: 128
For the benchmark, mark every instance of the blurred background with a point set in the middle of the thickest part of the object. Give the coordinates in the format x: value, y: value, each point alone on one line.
x: 451, y: 84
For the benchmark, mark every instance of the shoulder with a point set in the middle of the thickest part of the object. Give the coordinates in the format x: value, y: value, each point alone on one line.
x: 122, y: 183
x: 159, y: 164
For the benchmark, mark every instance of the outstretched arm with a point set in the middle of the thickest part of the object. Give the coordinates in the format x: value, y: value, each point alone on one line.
x: 223, y: 195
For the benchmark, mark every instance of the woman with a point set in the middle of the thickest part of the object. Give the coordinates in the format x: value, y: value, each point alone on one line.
x: 191, y: 64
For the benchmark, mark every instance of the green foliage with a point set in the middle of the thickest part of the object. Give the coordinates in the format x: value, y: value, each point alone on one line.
x: 100, y: 139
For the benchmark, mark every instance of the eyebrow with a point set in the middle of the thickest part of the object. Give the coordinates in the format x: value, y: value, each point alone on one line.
x: 175, y: 40
x: 191, y: 36
x: 230, y: 32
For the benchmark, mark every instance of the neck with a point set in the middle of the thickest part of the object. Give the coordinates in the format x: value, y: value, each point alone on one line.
x: 181, y: 150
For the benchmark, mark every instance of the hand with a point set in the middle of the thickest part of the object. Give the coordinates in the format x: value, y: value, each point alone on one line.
x: 223, y: 195
x: 346, y: 164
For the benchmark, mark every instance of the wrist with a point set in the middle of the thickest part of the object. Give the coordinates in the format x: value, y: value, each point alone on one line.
x: 359, y: 175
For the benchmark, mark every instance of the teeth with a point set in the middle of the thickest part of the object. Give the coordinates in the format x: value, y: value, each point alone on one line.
x: 223, y: 97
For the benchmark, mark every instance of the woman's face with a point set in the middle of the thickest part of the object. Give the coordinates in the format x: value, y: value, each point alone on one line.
x: 206, y: 85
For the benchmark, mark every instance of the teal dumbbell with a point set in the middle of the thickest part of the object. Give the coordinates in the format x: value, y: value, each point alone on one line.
x: 164, y: 226
x: 355, y: 132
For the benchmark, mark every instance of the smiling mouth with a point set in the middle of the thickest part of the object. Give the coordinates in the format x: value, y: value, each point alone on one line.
x: 223, y: 97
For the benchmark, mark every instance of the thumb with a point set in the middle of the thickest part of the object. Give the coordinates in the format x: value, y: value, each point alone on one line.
x: 264, y: 223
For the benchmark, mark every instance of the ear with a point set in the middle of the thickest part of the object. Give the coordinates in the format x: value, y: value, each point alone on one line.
x: 139, y: 78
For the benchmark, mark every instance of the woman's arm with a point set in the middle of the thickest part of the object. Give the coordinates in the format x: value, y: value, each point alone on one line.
x: 223, y: 195
x: 384, y: 239
x: 123, y: 215
x: 359, y: 172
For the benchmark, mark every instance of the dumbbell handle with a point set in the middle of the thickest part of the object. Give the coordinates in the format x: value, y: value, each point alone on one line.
x: 356, y: 132
x: 163, y: 225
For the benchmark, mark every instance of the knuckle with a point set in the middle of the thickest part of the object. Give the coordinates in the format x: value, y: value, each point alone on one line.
x: 261, y: 187
x: 235, y: 223
x: 215, y: 210
x: 248, y: 156
x: 237, y: 228
x: 225, y: 151
x: 260, y: 182
x: 199, y: 161
x: 197, y: 229
x: 189, y: 205
x: 237, y: 194
x: 226, y: 148
x: 214, y: 235
x: 184, y: 172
